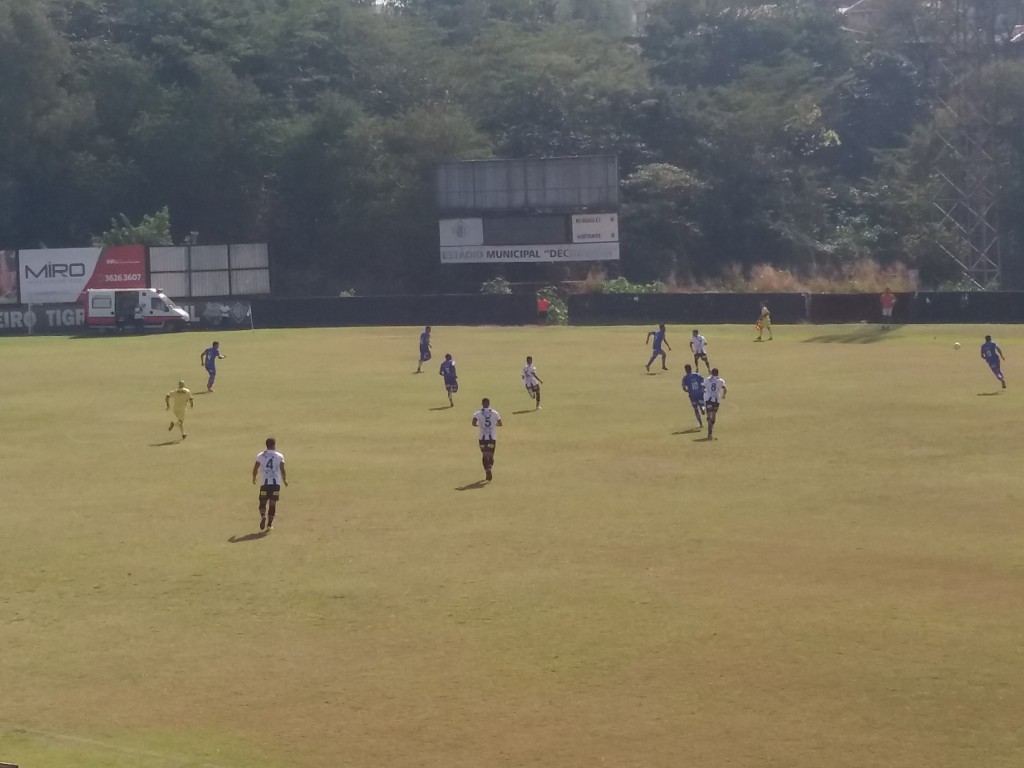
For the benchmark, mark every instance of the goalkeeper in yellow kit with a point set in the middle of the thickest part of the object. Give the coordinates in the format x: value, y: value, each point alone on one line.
x: 181, y: 399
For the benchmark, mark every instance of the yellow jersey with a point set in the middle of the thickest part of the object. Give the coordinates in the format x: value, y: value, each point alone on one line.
x: 179, y: 400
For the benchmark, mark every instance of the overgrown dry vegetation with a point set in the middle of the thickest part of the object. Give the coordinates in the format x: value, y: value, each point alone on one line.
x: 861, y: 276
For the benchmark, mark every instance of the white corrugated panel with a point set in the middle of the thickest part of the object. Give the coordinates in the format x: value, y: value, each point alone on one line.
x: 245, y: 282
x: 249, y: 256
x: 209, y: 257
x: 211, y: 283
x: 174, y: 284
x: 168, y: 259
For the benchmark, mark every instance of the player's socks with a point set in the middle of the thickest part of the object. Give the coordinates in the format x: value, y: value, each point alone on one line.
x: 263, y: 521
x: 170, y: 427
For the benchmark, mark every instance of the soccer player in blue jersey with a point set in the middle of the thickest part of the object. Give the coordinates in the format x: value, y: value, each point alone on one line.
x: 451, y: 379
x: 659, y: 339
x: 208, y: 359
x: 991, y: 354
x: 693, y: 385
x: 424, y: 349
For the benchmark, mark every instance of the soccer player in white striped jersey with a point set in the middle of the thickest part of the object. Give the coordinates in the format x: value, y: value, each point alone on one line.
x: 699, y: 347
x: 531, y: 380
x: 270, y: 467
x: 487, y: 420
x: 714, y: 394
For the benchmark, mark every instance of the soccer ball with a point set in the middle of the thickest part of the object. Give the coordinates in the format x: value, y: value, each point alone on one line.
x: 956, y: 345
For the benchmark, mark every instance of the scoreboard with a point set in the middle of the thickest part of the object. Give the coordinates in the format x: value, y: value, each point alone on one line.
x: 540, y: 210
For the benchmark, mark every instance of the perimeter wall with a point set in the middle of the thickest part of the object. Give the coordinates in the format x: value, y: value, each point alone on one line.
x: 692, y: 309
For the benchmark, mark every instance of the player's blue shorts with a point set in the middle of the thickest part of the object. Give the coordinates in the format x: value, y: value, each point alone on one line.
x: 696, y: 401
x: 424, y: 354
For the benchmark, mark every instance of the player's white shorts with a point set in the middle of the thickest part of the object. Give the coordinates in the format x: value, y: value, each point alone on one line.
x: 886, y: 311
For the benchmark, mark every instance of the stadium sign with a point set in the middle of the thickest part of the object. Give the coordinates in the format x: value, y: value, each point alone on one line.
x: 531, y: 253
x: 61, y: 275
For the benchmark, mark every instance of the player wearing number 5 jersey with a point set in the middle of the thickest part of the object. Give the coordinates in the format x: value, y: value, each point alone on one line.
x: 269, y: 467
x: 487, y: 420
x: 714, y: 394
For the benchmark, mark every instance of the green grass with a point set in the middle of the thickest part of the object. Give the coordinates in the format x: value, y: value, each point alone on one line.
x: 835, y: 581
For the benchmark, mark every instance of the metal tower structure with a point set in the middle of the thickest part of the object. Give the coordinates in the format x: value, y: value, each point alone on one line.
x: 971, y: 33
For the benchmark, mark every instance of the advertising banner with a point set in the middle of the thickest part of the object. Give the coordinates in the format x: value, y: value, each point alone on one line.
x: 61, y: 275
x: 531, y: 253
x: 53, y: 318
x: 8, y: 277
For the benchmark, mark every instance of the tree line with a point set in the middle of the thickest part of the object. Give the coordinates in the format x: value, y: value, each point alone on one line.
x: 746, y: 133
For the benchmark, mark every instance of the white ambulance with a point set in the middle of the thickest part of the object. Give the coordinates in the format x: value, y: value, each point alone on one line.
x: 133, y: 308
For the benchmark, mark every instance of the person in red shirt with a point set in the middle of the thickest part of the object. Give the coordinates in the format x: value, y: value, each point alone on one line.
x: 888, y: 302
x: 542, y: 309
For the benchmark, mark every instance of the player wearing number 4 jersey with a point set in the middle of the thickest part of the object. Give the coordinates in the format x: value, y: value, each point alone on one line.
x: 269, y: 467
x: 487, y: 420
x: 714, y: 394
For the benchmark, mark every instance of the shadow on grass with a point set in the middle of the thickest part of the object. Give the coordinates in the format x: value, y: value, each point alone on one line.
x: 520, y: 413
x: 248, y: 537
x: 473, y: 486
x: 175, y: 442
x: 443, y: 408
x: 868, y: 335
x: 705, y: 439
x: 689, y: 431
x: 988, y: 394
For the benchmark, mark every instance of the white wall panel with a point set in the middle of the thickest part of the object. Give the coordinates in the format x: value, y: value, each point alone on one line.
x: 209, y: 257
x: 211, y: 283
x: 250, y: 281
x: 249, y: 256
x: 168, y: 259
x: 174, y: 284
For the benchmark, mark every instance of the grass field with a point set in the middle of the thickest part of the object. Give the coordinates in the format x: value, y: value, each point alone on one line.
x: 835, y: 581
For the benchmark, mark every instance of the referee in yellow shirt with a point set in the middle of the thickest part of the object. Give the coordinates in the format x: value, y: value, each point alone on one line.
x: 182, y: 398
